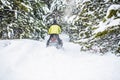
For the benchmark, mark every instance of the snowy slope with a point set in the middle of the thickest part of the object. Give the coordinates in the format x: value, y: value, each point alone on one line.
x: 31, y: 60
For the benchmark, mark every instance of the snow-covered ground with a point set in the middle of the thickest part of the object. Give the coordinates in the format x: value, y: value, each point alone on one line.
x: 31, y: 60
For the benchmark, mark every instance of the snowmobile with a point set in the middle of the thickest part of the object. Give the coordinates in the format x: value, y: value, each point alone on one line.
x: 54, y: 41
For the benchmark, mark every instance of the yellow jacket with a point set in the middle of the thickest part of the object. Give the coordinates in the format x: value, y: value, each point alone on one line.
x: 54, y: 29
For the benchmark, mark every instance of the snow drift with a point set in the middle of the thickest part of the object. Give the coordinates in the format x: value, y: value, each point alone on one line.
x: 31, y: 60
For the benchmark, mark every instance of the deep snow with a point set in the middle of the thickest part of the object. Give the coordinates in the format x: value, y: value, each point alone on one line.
x: 31, y: 60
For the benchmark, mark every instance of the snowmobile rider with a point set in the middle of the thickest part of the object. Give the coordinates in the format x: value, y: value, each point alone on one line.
x: 54, y: 30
